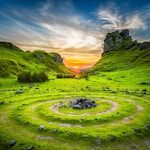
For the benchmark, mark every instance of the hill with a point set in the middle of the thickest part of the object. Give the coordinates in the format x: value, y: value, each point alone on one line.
x: 13, y: 61
x: 124, y: 57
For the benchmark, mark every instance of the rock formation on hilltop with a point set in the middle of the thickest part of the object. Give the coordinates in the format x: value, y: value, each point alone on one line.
x: 123, y: 40
x: 114, y: 39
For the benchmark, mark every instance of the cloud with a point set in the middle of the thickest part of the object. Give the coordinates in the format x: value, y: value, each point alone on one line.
x: 46, y: 28
x: 112, y: 19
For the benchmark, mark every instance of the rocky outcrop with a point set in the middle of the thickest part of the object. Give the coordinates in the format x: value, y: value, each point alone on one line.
x: 57, y: 58
x: 9, y: 46
x: 114, y: 39
x: 122, y: 40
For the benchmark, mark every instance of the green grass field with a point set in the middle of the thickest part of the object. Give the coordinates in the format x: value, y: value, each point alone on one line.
x: 111, y: 125
x: 32, y: 115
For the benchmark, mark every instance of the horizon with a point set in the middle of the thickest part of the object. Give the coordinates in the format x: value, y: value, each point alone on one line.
x: 74, y: 29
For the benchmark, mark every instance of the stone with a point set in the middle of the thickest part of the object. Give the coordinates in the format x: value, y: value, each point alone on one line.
x: 127, y: 92
x: 125, y: 33
x: 82, y: 103
x: 30, y: 86
x: 12, y: 143
x: 77, y: 106
x: 85, y: 135
x: 55, y: 130
x: 136, y: 130
x: 41, y: 128
x: 148, y: 126
x: 143, y: 82
x: 112, y: 138
x: 2, y: 103
x: 144, y: 45
x: 97, y: 140
x: 144, y: 91
x: 115, y: 39
x: 19, y: 91
x: 30, y: 148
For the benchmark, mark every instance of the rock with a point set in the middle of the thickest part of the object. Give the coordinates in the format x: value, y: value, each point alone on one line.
x: 55, y: 130
x: 136, y: 130
x: 19, y: 91
x: 77, y: 106
x: 125, y: 33
x: 144, y: 45
x: 30, y: 148
x: 115, y: 39
x: 143, y: 82
x: 85, y: 135
x: 30, y: 86
x: 148, y: 126
x: 127, y: 92
x: 144, y: 91
x: 2, y: 103
x: 95, y: 119
x: 112, y: 138
x: 12, y: 143
x: 41, y: 128
x: 98, y: 140
x: 82, y: 103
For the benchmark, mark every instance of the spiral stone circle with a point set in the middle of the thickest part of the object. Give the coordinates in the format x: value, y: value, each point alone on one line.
x: 41, y: 119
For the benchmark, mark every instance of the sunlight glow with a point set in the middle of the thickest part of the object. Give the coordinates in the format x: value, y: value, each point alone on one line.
x: 76, y: 67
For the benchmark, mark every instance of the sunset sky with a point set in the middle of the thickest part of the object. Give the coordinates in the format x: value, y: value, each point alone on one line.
x: 74, y: 28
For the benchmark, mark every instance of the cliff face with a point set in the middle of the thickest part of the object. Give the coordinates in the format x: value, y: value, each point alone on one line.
x: 115, y: 39
x: 122, y: 40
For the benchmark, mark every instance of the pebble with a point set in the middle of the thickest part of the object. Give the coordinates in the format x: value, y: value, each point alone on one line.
x: 41, y: 128
x: 12, y: 143
x: 30, y: 148
x: 137, y: 130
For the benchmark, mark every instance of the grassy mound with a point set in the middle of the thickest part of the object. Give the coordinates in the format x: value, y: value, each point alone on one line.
x: 14, y: 61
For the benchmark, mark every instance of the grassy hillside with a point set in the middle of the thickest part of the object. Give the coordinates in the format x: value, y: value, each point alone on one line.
x: 123, y: 60
x: 13, y: 61
x: 132, y: 65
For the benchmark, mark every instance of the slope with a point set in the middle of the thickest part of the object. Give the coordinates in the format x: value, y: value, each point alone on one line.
x: 13, y: 61
x: 124, y: 59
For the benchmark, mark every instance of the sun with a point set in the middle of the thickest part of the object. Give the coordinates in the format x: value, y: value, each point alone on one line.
x: 76, y: 67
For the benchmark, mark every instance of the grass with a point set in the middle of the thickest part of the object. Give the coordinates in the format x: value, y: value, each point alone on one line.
x: 114, y: 83
x: 24, y: 113
x: 13, y: 62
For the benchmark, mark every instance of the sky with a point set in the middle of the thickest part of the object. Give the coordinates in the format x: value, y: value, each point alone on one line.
x: 76, y: 29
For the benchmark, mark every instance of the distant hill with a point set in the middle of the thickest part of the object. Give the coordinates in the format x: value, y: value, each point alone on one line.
x: 13, y: 61
x: 122, y: 53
